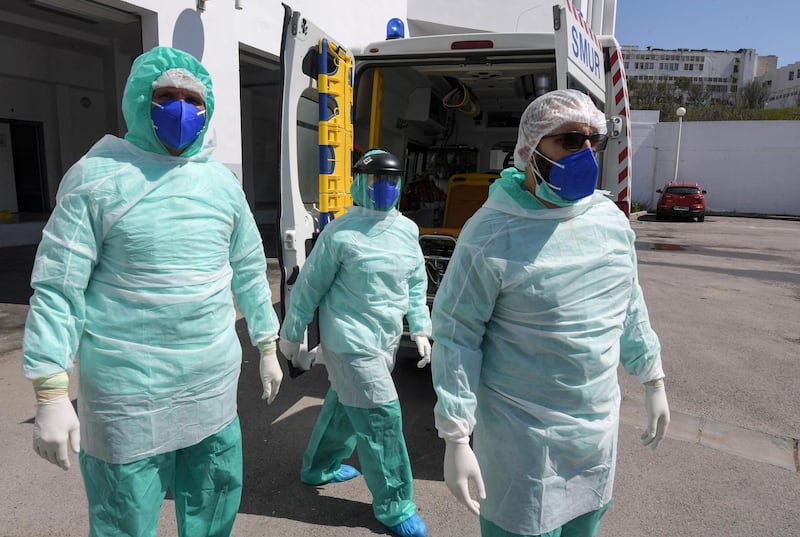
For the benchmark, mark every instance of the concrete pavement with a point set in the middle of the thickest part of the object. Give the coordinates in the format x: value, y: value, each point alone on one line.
x: 711, y: 477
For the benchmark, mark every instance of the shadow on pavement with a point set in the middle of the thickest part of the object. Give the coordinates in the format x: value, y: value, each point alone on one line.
x: 15, y: 274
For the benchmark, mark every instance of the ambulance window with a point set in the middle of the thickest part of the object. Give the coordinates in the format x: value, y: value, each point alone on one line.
x: 308, y: 148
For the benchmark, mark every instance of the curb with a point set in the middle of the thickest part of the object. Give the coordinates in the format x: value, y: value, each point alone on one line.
x: 639, y: 214
x: 752, y: 445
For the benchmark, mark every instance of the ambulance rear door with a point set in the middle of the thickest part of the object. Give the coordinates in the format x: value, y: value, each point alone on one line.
x: 592, y: 64
x: 316, y: 143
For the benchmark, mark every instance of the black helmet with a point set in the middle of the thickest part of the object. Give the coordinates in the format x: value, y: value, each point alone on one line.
x: 377, y: 180
x: 378, y: 161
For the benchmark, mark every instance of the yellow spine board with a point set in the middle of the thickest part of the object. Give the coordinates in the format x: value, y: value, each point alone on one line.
x: 335, y: 86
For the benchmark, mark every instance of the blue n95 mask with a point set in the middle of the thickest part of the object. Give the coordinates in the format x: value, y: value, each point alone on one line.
x: 384, y: 191
x: 575, y: 176
x: 177, y: 123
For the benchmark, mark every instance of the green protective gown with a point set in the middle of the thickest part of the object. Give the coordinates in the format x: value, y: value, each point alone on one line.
x: 537, y: 309
x: 136, y: 275
x: 365, y: 273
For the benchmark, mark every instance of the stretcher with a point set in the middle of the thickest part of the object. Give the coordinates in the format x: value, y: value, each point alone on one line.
x: 466, y: 192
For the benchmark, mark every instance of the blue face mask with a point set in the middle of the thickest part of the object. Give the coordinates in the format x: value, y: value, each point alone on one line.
x: 177, y: 123
x: 383, y: 193
x: 575, y: 176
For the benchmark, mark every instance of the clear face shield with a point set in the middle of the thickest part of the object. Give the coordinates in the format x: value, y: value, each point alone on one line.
x: 383, y: 189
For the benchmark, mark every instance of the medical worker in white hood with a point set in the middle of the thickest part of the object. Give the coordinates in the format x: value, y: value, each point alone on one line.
x: 539, y: 305
x: 136, y: 274
x: 365, y: 273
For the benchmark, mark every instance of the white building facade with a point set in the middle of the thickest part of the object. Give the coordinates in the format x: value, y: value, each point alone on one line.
x: 721, y: 73
x: 784, y: 86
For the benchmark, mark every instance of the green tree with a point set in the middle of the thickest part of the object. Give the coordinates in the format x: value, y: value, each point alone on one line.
x: 753, y: 95
x: 683, y: 82
x: 652, y: 95
x: 697, y: 94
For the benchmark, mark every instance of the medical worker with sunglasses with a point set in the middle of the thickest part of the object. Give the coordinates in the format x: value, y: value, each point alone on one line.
x: 540, y: 303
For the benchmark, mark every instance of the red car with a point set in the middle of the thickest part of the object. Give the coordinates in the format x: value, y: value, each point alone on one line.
x: 683, y: 200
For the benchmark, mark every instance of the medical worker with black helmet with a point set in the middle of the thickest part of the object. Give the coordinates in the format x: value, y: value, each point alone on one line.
x: 135, y: 277
x: 365, y: 273
x: 539, y: 305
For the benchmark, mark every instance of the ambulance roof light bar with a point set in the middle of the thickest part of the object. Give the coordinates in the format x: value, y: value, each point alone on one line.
x: 395, y: 29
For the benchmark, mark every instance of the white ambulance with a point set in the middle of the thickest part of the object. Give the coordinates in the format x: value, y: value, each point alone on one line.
x: 449, y: 105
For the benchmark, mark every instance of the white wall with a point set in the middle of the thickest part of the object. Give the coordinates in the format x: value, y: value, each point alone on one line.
x: 643, y: 160
x: 746, y: 166
x: 215, y: 35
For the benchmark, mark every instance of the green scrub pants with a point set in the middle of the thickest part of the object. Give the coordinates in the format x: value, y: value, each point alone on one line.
x: 584, y: 526
x: 205, y: 480
x: 378, y: 434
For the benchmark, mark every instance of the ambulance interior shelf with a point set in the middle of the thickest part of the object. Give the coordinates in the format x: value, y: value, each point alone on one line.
x: 424, y: 197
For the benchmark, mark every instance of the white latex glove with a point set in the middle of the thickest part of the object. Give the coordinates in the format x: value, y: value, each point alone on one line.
x: 56, y: 424
x: 305, y: 359
x: 289, y: 349
x: 424, y: 349
x: 655, y: 403
x: 460, y: 469
x: 298, y: 354
x: 271, y: 376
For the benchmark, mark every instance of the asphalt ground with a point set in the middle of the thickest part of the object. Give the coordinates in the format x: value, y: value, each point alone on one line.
x: 724, y: 297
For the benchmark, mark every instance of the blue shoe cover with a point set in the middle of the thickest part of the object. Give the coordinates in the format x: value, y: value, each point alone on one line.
x: 413, y: 526
x: 345, y: 473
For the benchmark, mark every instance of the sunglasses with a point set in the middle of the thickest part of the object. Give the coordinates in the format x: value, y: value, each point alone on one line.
x: 573, y: 140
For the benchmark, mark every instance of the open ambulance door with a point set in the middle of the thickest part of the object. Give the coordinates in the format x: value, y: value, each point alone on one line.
x: 316, y: 144
x: 593, y: 65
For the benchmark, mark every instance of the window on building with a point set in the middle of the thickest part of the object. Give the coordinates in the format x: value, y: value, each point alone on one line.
x: 700, y: 67
x: 791, y: 75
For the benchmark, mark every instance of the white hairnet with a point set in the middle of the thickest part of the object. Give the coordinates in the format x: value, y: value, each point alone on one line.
x: 550, y: 111
x: 180, y: 78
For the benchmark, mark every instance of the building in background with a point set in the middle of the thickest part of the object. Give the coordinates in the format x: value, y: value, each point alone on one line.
x: 698, y: 76
x: 766, y: 64
x: 784, y: 86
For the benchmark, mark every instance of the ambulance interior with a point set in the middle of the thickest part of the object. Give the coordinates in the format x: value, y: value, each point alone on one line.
x: 456, y: 125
